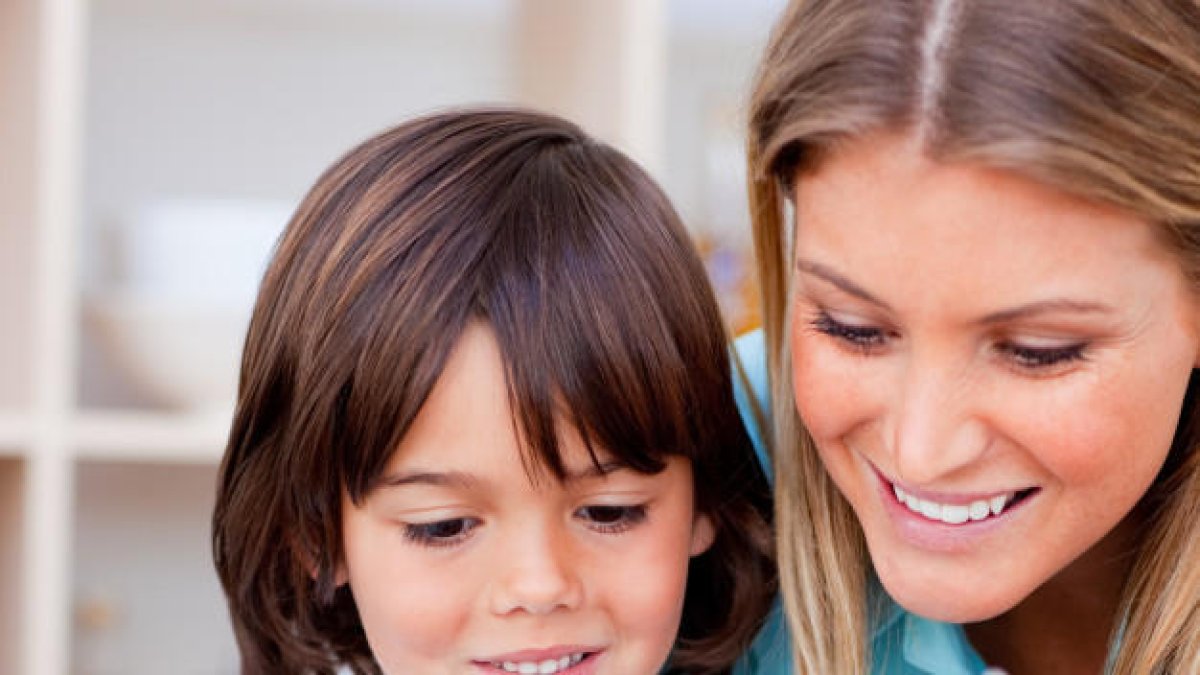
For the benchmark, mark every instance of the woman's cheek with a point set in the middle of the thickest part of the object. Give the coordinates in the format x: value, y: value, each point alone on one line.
x: 833, y: 391
x: 1083, y: 427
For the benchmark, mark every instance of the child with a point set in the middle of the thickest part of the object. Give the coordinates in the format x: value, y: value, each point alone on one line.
x: 486, y: 423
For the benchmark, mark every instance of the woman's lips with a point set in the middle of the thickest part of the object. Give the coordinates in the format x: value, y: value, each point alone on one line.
x: 948, y: 522
x: 955, y: 509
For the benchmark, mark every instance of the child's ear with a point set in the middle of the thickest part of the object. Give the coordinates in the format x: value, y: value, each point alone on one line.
x: 703, y: 534
x: 340, y: 576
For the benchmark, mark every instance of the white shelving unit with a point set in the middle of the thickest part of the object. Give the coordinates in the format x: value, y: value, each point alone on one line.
x: 105, y: 494
x: 14, y: 433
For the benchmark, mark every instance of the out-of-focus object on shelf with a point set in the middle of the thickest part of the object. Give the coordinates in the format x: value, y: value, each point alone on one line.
x: 181, y: 354
x: 185, y: 276
x: 211, y: 251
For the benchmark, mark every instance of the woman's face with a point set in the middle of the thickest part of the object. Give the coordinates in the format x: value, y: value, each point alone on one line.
x: 460, y: 563
x: 992, y: 370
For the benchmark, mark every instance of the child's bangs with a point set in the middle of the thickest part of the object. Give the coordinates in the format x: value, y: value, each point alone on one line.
x: 594, y: 293
x: 575, y: 259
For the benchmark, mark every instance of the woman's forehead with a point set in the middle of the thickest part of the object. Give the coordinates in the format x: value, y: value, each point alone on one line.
x: 883, y: 215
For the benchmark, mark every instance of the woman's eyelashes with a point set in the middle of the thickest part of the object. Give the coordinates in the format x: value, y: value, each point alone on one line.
x: 602, y: 518
x: 1042, y: 360
x: 860, y: 338
x: 867, y: 339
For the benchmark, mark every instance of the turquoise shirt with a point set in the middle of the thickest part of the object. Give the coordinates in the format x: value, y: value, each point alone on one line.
x: 902, y: 643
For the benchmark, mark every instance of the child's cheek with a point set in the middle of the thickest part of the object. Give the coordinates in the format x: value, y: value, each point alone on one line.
x: 413, y: 612
x: 643, y: 585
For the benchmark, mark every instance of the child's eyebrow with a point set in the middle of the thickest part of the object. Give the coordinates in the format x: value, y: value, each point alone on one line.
x: 456, y: 479
x: 467, y: 481
x: 595, y: 470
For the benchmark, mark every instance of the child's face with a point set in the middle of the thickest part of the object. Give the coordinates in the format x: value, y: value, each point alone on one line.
x: 992, y: 370
x: 459, y: 564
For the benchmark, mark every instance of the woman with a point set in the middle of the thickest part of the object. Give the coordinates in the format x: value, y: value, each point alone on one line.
x: 977, y: 224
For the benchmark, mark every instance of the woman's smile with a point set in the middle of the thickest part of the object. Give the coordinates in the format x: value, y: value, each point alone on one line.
x: 950, y: 522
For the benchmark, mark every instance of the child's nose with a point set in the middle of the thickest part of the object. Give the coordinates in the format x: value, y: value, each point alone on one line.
x: 536, y: 573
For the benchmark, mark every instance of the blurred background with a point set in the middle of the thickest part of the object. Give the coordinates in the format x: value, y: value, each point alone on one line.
x: 151, y: 152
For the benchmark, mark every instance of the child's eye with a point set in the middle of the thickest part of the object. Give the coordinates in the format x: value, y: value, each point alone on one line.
x: 611, y: 519
x: 1041, y: 359
x: 442, y: 532
x: 862, y: 338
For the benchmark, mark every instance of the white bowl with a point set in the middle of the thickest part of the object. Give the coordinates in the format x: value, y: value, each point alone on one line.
x: 199, y: 249
x: 183, y: 355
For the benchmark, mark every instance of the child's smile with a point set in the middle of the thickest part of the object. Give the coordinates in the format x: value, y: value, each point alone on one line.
x: 462, y: 561
x: 543, y: 661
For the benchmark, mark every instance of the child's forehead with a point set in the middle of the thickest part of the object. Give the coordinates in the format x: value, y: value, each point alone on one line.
x: 472, y: 422
x: 474, y: 464
x: 515, y: 480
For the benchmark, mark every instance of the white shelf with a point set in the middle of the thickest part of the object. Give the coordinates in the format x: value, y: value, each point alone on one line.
x: 144, y: 595
x: 14, y: 433
x: 137, y: 435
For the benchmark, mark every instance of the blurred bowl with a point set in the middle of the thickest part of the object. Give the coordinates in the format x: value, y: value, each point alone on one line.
x: 182, y: 354
x: 208, y: 250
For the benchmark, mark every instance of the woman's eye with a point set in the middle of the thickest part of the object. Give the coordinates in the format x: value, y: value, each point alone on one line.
x: 442, y: 532
x: 861, y: 338
x: 611, y: 519
x: 1041, y: 358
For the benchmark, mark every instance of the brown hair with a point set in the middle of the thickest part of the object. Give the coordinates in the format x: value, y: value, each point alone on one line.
x: 600, y: 305
x: 1100, y: 98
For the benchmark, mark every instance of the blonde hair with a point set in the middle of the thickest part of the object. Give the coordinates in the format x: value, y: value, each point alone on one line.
x: 1099, y: 98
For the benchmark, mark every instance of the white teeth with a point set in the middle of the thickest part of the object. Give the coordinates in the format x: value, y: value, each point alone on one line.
x: 953, y: 514
x: 979, y: 510
x: 547, y: 667
x: 910, y: 501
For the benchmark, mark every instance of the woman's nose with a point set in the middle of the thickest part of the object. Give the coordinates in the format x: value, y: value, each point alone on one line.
x: 935, y: 428
x: 535, y: 572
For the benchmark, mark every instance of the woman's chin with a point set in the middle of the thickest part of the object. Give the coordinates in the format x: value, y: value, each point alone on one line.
x: 952, y: 598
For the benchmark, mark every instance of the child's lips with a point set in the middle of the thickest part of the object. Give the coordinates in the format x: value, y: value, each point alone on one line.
x: 558, y: 659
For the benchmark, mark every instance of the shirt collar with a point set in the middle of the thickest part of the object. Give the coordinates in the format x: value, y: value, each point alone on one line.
x: 925, y: 645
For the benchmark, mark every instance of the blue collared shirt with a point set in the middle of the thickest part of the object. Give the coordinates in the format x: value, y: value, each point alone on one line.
x: 902, y: 643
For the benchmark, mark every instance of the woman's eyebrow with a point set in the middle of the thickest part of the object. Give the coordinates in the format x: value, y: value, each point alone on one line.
x: 829, y: 275
x: 1055, y: 305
